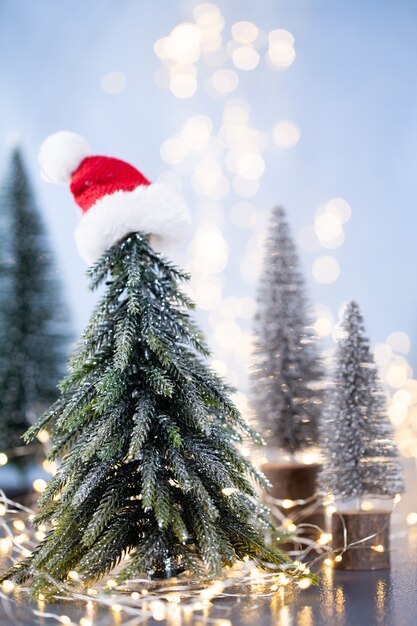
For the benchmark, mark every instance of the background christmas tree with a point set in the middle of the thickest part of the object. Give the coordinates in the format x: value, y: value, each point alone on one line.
x: 287, y: 373
x: 361, y: 457
x: 147, y: 436
x: 33, y: 320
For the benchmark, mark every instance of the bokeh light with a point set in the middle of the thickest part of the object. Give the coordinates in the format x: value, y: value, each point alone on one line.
x: 326, y: 270
x: 281, y: 52
x: 286, y: 134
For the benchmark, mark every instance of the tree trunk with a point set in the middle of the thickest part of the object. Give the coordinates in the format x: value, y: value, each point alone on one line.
x: 297, y: 481
x: 349, y: 527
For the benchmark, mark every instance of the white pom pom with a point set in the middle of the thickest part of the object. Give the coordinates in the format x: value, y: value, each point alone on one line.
x: 60, y: 155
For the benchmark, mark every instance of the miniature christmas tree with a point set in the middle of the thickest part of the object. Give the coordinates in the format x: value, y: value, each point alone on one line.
x: 33, y: 341
x: 361, y: 458
x: 356, y: 434
x: 145, y: 433
x: 286, y: 391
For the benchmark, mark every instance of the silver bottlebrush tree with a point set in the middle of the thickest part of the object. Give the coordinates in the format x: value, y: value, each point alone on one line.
x: 361, y: 457
x: 287, y: 376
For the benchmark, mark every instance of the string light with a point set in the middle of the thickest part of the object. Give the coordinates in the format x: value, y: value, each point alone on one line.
x: 39, y: 485
x: 412, y: 519
x: 378, y: 548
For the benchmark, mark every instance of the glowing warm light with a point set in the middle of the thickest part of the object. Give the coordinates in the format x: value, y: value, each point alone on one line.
x: 286, y: 134
x: 219, y: 367
x: 244, y: 32
x: 86, y: 621
x: 251, y: 165
x: 412, y: 518
x: 382, y: 354
x: 5, y: 544
x: 3, y: 509
x: 309, y: 457
x: 228, y: 491
x: 324, y: 539
x: 159, y: 611
x: 7, y: 586
x: 398, y: 373
x: 73, y: 575
x: 50, y: 466
x: 225, y: 80
x: 323, y: 326
x: 183, y: 45
x: 116, y: 608
x: 113, y: 83
x: 402, y: 399
x: 64, y: 619
x: 3, y: 458
x: 287, y: 504
x: 209, y: 250
x: 339, y: 208
x: 338, y: 558
x: 304, y: 583
x: 366, y: 505
x: 19, y: 525
x: 183, y: 86
x: 328, y: 562
x: 397, y: 498
x: 39, y: 485
x: 326, y: 269
x: 111, y: 583
x: 281, y: 53
x: 245, y: 58
x: 378, y: 548
x: 291, y: 528
x: 332, y: 244
x: 399, y: 341
x: 327, y: 227
x: 207, y: 14
x: 43, y: 436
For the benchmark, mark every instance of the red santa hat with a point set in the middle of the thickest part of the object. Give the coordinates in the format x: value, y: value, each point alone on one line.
x: 115, y: 198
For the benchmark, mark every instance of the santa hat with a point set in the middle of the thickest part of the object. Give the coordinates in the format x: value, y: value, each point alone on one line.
x: 115, y: 198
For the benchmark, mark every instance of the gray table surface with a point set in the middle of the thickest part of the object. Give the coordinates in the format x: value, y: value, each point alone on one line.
x: 384, y: 598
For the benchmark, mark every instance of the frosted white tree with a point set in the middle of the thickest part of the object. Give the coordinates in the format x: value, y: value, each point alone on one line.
x: 356, y: 434
x: 286, y: 378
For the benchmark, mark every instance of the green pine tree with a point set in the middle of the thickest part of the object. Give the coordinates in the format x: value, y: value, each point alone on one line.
x: 33, y: 337
x: 146, y: 435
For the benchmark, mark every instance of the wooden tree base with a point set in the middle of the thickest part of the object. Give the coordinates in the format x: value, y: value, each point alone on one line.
x: 351, y: 526
x: 296, y: 481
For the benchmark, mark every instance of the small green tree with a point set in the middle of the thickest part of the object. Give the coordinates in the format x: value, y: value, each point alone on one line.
x: 287, y: 375
x: 146, y: 435
x: 33, y: 335
x: 357, y: 437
